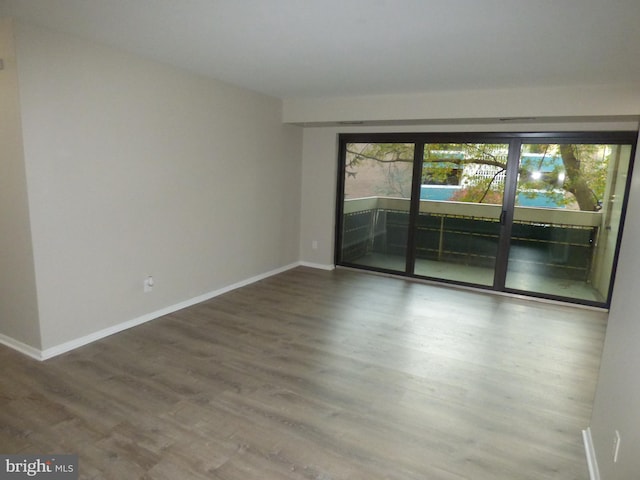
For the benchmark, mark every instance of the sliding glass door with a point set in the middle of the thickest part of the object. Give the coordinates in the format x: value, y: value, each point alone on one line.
x: 458, y: 226
x: 567, y: 219
x: 376, y: 200
x: 537, y: 214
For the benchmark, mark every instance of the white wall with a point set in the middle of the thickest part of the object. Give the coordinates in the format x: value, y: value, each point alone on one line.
x: 18, y: 302
x: 617, y: 401
x: 135, y: 168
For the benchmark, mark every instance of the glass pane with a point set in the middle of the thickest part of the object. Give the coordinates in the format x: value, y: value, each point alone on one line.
x: 566, y: 221
x: 458, y: 226
x: 377, y: 192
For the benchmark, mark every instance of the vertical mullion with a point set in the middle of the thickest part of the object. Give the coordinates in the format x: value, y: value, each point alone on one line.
x: 508, y: 208
x: 342, y: 156
x: 414, y: 209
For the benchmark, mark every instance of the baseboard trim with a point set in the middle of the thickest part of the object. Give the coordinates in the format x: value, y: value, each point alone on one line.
x: 23, y: 348
x: 319, y: 266
x: 592, y: 462
x: 92, y: 337
x: 65, y: 347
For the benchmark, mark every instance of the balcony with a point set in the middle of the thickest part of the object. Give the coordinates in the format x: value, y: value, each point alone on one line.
x: 456, y: 240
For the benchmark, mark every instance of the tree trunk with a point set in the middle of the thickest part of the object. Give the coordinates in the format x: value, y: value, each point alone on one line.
x: 575, y: 182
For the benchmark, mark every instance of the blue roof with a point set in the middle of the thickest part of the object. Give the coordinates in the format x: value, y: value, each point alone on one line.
x: 444, y: 193
x: 541, y: 163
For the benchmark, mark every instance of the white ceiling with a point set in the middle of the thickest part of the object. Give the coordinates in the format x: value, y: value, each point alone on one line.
x: 316, y: 48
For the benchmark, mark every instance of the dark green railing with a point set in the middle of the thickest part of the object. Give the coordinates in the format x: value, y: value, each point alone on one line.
x: 564, y: 250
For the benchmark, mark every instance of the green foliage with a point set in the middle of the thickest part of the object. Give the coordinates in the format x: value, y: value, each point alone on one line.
x: 571, y: 175
x: 478, y: 167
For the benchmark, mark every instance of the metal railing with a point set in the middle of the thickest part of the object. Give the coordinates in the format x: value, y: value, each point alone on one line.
x: 560, y: 241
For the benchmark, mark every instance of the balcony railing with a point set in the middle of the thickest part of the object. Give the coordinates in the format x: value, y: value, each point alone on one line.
x: 561, y: 241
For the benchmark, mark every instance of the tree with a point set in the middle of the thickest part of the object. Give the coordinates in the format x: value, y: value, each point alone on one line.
x: 578, y: 174
x: 394, y: 160
x: 569, y: 173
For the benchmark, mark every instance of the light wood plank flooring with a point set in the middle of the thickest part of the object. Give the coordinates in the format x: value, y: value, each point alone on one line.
x: 320, y: 375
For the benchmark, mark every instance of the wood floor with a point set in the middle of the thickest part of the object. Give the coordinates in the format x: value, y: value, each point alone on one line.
x: 320, y: 375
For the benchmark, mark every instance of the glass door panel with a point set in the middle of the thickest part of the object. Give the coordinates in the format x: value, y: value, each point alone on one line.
x: 376, y: 205
x: 459, y: 221
x: 527, y: 213
x: 569, y: 200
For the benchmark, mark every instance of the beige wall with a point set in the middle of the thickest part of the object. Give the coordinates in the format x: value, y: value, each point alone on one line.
x: 18, y: 302
x: 319, y: 173
x: 457, y: 107
x: 135, y: 168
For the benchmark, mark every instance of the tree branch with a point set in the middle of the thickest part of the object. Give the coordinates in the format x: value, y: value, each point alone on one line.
x: 486, y: 191
x: 371, y: 157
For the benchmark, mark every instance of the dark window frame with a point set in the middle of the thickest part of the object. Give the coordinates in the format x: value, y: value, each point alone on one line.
x: 421, y: 138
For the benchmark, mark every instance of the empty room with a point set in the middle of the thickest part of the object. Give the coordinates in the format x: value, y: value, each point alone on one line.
x: 358, y: 239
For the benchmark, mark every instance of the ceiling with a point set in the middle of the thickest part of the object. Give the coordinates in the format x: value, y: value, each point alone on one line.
x: 307, y: 48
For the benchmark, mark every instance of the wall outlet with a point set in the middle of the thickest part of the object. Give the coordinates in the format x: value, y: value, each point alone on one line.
x: 148, y: 284
x: 314, y: 244
x: 616, y: 446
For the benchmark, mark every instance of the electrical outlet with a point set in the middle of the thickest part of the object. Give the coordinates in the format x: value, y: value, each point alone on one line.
x: 314, y: 244
x: 148, y: 284
x: 616, y: 446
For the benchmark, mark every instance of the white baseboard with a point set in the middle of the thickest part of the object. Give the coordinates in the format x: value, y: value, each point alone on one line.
x: 21, y: 347
x: 319, y: 266
x: 592, y: 462
x: 92, y: 337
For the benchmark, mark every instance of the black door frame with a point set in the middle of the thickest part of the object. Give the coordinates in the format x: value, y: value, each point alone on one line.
x: 515, y: 140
